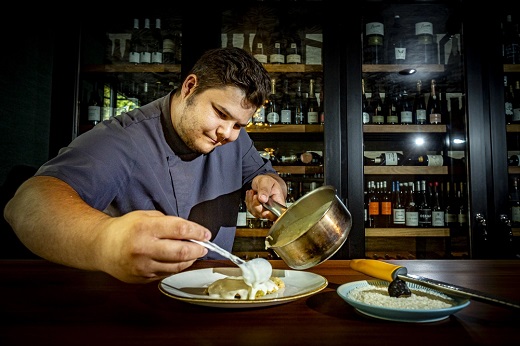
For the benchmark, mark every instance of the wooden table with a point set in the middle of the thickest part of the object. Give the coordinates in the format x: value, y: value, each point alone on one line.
x: 48, y: 304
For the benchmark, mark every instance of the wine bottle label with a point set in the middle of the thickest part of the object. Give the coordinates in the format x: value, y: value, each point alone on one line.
x: 399, y: 216
x: 373, y: 208
x: 134, y: 57
x: 94, y: 113
x: 450, y: 218
x: 386, y: 208
x: 312, y: 117
x: 277, y: 59
x: 516, y: 114
x: 421, y: 116
x: 406, y: 117
x: 400, y: 54
x: 259, y: 116
x: 435, y: 118
x: 392, y: 119
x: 435, y: 160
x: 242, y: 219
x: 366, y: 118
x: 294, y: 59
x: 157, y: 58
x: 375, y: 28
x: 515, y: 214
x: 391, y: 159
x: 273, y: 118
x: 285, y: 116
x: 438, y: 218
x: 462, y: 218
x: 423, y: 28
x: 412, y: 218
x: 146, y: 57
x: 378, y: 119
x: 425, y: 217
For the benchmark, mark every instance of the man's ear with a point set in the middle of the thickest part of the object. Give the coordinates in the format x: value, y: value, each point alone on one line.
x: 189, y: 85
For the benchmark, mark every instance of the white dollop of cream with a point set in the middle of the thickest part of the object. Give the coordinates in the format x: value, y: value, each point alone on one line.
x: 233, y: 287
x: 256, y: 273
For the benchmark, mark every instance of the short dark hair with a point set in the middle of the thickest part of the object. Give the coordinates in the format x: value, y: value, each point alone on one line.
x: 233, y: 66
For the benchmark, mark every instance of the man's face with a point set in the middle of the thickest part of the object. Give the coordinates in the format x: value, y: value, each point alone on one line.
x: 211, y: 118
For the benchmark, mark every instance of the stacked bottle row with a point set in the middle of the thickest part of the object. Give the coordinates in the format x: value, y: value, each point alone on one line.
x: 110, y: 98
x: 397, y: 106
x: 285, y: 109
x: 512, y: 101
x: 305, y: 158
x: 413, y: 159
x: 146, y: 42
x: 510, y: 40
x: 415, y: 204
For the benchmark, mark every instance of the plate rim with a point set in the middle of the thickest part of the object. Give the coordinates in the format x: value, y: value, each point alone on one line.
x: 410, y: 315
x: 228, y: 303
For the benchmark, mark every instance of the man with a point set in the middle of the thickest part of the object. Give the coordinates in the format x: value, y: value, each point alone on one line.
x: 124, y: 197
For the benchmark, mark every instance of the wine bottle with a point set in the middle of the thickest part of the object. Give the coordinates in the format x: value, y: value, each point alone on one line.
x: 419, y: 105
x: 386, y: 206
x: 391, y: 108
x: 299, y: 104
x: 286, y: 105
x: 425, y: 209
x: 277, y: 48
x: 259, y: 116
x: 260, y: 44
x: 511, y: 42
x: 508, y: 101
x: 385, y: 159
x: 406, y: 109
x: 452, y: 205
x: 437, y: 210
x: 374, y: 48
x: 311, y: 158
x: 168, y: 48
x: 291, y: 199
x: 272, y: 106
x: 411, y: 212
x: 462, y: 216
x: 366, y: 106
x: 398, y: 211
x: 134, y: 55
x: 514, y: 203
x: 434, y: 105
x: 373, y: 205
x: 242, y: 213
x: 157, y: 42
x: 293, y: 52
x: 377, y: 105
x: 312, y: 107
x: 397, y: 43
x: 94, y: 106
x: 430, y: 160
x: 146, y: 41
x: 516, y: 103
x: 425, y: 52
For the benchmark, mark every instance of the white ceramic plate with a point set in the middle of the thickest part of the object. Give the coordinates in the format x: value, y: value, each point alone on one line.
x: 189, y: 287
x: 401, y: 315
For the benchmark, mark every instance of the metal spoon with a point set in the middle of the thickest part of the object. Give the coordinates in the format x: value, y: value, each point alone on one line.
x: 255, y: 271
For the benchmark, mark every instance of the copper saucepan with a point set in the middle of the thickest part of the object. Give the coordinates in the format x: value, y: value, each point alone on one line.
x: 311, y: 230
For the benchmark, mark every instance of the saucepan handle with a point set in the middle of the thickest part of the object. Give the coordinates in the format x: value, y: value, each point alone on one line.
x: 274, y: 207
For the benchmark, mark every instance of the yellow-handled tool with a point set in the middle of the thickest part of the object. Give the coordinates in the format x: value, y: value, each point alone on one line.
x: 389, y: 272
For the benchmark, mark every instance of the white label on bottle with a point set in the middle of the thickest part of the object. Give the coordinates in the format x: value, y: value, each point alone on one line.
x: 435, y: 160
x: 259, y: 116
x: 462, y: 218
x: 242, y: 219
x: 273, y: 118
x: 262, y: 58
x: 515, y: 214
x: 285, y: 116
x: 423, y: 28
x: 391, y: 159
x: 516, y: 114
x: 375, y: 28
x: 366, y: 118
x: 277, y: 59
x: 94, y: 113
x: 421, y: 115
x: 435, y: 118
x: 312, y: 117
x: 412, y: 218
x: 146, y: 57
x: 399, y: 216
x: 438, y: 218
x: 406, y: 117
x: 400, y: 54
x: 392, y: 119
x: 509, y: 108
x: 134, y: 57
x: 156, y: 58
x: 378, y: 119
x: 294, y: 59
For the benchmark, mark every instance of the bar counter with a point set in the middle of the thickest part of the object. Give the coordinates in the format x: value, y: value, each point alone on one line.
x: 43, y: 303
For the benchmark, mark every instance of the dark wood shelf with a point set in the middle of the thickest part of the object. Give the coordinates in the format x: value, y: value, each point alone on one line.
x: 403, y: 170
x: 132, y: 68
x: 511, y: 68
x: 251, y: 128
x: 404, y: 128
x: 397, y: 68
x: 299, y: 169
x: 407, y: 232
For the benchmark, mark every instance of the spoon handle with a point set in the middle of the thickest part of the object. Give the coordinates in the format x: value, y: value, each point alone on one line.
x: 215, y: 248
